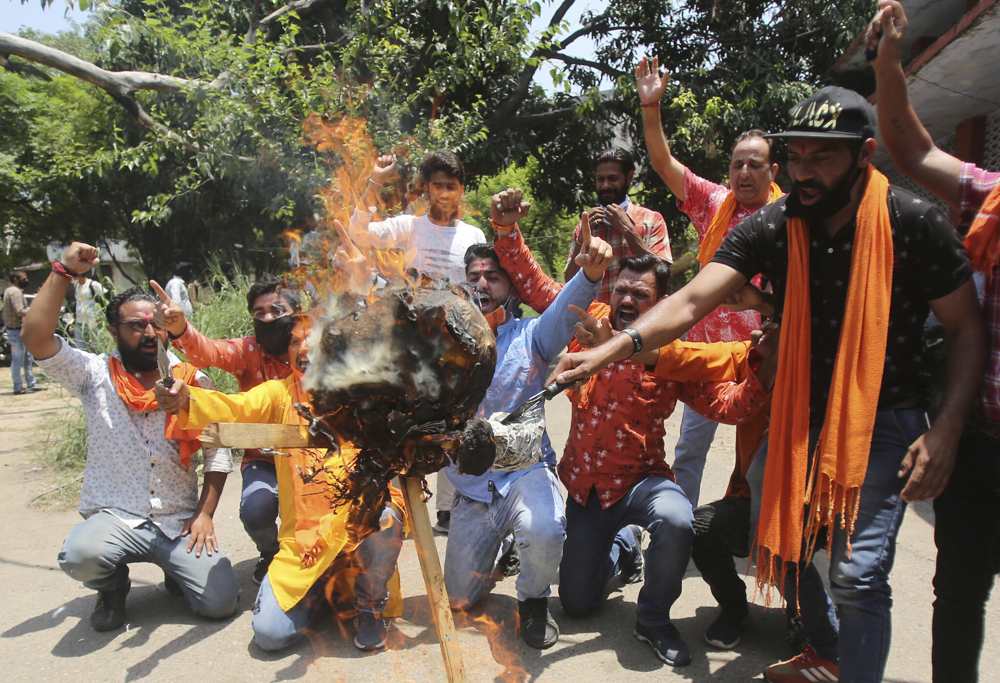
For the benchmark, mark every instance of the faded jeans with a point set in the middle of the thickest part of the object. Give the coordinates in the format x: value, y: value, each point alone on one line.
x: 533, y: 511
x: 697, y: 434
x: 275, y: 629
x: 20, y: 361
x: 259, y: 505
x: 859, y: 579
x: 597, y: 542
x: 98, y: 550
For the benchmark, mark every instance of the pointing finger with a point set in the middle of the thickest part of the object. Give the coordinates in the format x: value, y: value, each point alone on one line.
x: 163, y: 296
x: 585, y: 235
x: 580, y: 313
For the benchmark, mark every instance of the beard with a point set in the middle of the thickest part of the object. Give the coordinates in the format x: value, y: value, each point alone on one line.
x: 612, y: 196
x: 833, y: 199
x: 142, y: 358
x: 275, y: 335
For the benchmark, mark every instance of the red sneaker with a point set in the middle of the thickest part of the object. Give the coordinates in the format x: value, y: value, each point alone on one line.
x: 805, y: 667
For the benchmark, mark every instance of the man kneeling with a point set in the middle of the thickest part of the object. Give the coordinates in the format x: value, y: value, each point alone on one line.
x: 140, y: 489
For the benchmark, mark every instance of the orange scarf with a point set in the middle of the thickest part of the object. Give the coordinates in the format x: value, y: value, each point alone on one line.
x: 719, y: 226
x: 983, y: 240
x: 831, y: 487
x: 143, y: 400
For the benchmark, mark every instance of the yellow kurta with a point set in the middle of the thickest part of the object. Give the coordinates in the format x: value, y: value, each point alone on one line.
x: 307, y: 522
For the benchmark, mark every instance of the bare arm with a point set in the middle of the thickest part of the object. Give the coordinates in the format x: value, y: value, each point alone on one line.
x: 931, y: 458
x: 650, y: 84
x: 40, y: 322
x: 911, y: 146
x: 665, y: 322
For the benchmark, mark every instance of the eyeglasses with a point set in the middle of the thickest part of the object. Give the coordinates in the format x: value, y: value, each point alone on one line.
x: 139, y: 326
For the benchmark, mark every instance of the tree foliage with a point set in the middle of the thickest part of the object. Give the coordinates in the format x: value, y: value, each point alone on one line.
x: 217, y: 161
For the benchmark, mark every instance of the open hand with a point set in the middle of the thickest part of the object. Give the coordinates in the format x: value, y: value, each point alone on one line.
x: 169, y: 315
x: 650, y: 82
x: 80, y: 258
x: 508, y: 207
x: 595, y: 254
x: 201, y: 530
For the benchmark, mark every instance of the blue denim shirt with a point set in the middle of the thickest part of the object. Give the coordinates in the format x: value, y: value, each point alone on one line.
x: 525, y: 350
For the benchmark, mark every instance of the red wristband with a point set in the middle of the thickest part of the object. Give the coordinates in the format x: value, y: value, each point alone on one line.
x: 60, y: 269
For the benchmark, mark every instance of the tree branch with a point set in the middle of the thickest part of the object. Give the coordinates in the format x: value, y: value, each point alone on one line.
x: 606, y: 69
x: 294, y: 6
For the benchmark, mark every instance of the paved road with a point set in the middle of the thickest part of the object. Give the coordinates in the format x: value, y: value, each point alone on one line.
x: 44, y: 633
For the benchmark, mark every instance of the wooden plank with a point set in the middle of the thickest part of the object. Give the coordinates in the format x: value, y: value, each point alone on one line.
x: 250, y: 435
x: 430, y: 566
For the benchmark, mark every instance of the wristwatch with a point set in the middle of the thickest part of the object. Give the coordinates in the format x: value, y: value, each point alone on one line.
x: 636, y: 339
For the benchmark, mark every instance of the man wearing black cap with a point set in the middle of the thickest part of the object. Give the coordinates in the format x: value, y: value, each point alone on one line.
x: 856, y: 266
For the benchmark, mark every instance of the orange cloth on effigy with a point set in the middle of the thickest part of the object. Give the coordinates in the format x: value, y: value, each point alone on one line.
x: 143, y: 400
x: 719, y: 226
x: 802, y: 496
x: 983, y: 240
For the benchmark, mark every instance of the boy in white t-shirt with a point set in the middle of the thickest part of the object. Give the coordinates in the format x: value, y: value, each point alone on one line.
x: 437, y: 242
x: 89, y: 310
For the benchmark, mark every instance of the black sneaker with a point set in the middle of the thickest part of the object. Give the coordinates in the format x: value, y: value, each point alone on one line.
x: 370, y: 629
x: 537, y: 628
x: 443, y: 522
x: 666, y: 642
x: 260, y: 571
x: 633, y: 564
x: 727, y: 629
x: 109, y: 612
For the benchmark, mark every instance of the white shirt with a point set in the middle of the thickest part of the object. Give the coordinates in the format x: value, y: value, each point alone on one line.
x: 132, y: 470
x: 87, y: 312
x: 438, y: 251
x: 177, y: 290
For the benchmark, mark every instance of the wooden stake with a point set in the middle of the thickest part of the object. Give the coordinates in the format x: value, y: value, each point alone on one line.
x: 430, y: 566
x: 246, y: 435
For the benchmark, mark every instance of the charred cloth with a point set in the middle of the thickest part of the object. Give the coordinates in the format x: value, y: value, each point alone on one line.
x: 400, y: 374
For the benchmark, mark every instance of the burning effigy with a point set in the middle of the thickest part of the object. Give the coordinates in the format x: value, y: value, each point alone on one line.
x: 398, y: 362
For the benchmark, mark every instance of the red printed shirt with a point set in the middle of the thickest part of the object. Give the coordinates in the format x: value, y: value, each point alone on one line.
x: 975, y: 184
x: 702, y: 203
x: 651, y: 229
x: 616, y: 437
x: 243, y: 358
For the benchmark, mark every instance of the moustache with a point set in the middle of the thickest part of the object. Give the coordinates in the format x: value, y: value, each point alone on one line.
x: 809, y: 185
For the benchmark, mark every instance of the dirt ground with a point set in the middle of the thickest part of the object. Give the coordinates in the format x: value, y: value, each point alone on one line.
x: 44, y: 634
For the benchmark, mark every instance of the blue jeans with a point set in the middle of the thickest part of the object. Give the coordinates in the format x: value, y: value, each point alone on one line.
x: 259, y: 505
x: 533, y: 511
x: 20, y: 361
x: 275, y: 629
x: 98, y: 550
x: 859, y: 579
x: 597, y: 542
x: 697, y: 434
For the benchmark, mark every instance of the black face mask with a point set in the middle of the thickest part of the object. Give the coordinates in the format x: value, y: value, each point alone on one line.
x: 275, y: 335
x: 137, y: 360
x: 836, y: 198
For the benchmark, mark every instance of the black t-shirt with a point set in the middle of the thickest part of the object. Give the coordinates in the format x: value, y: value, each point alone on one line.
x: 929, y: 262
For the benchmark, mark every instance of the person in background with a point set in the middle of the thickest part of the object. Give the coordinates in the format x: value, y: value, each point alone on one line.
x: 87, y: 293
x: 177, y: 289
x: 713, y: 209
x: 14, y: 309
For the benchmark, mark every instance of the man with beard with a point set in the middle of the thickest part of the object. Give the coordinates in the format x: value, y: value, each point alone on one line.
x: 435, y: 242
x: 614, y: 466
x: 525, y: 500
x: 967, y: 514
x: 856, y: 266
x: 714, y: 210
x: 252, y: 359
x: 630, y: 229
x: 140, y: 487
